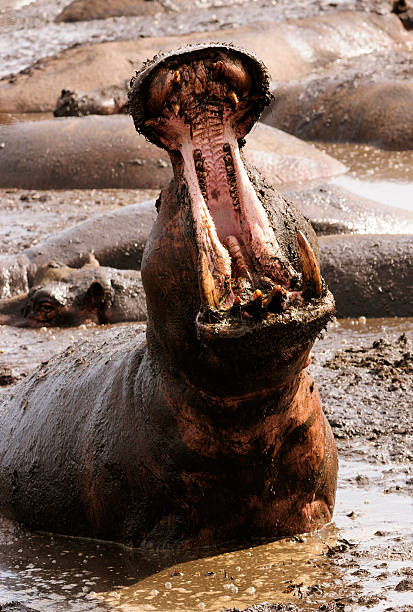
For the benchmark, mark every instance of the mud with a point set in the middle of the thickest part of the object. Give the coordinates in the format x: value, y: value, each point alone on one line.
x: 28, y: 216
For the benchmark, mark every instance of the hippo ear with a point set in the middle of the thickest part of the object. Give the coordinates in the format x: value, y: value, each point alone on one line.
x: 91, y: 261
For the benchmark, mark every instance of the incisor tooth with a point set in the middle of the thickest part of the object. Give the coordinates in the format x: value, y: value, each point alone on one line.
x: 176, y: 108
x: 310, y: 267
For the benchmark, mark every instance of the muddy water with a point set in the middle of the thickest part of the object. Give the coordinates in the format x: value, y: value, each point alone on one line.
x: 377, y: 174
x: 361, y: 558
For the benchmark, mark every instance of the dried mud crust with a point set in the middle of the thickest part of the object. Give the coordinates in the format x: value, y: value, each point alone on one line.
x: 367, y: 393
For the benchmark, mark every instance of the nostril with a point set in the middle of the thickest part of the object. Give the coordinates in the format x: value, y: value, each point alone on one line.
x: 235, y: 73
x: 159, y: 91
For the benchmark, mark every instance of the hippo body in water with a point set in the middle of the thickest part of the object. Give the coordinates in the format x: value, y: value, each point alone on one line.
x: 210, y: 430
x: 61, y: 295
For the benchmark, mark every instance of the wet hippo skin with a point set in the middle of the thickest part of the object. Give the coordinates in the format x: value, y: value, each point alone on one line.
x: 65, y: 296
x: 210, y: 430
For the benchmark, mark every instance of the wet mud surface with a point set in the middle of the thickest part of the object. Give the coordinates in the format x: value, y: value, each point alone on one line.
x: 27, y: 216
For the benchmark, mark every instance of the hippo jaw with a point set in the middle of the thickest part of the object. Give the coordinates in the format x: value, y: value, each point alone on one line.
x: 198, y: 104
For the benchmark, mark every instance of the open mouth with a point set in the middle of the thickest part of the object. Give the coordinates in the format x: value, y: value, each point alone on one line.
x: 199, y: 104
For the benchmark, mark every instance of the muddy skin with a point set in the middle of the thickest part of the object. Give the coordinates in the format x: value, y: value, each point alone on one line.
x: 340, y: 105
x: 214, y: 415
x: 105, y: 101
x: 380, y: 286
x: 355, y: 267
x: 106, y: 152
x: 83, y: 153
x: 63, y: 296
x: 79, y: 10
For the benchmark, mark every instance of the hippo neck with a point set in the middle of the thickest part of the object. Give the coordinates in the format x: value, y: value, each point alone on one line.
x: 215, y: 385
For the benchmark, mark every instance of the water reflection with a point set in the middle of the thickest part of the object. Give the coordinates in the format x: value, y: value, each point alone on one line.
x: 58, y: 573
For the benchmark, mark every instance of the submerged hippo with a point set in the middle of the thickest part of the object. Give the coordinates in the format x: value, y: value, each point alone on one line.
x: 210, y: 430
x: 61, y: 295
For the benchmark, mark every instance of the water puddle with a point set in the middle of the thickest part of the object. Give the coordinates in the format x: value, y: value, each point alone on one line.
x: 377, y: 174
x: 357, y: 553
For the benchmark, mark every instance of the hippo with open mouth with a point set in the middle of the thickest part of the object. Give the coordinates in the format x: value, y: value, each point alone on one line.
x: 210, y: 430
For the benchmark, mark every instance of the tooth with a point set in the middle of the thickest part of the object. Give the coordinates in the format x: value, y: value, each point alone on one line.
x: 310, y: 267
x: 235, y: 251
x: 177, y: 77
x: 278, y: 291
x: 176, y: 108
x: 218, y: 66
x: 233, y: 98
x: 151, y: 122
x: 207, y: 283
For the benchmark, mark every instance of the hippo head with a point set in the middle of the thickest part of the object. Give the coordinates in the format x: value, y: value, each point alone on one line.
x: 232, y: 281
x: 62, y: 296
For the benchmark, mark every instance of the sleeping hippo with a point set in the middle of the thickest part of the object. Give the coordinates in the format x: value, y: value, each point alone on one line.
x: 209, y: 429
x: 61, y: 295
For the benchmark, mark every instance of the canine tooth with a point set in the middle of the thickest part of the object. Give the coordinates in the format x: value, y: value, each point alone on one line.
x: 176, y: 108
x: 207, y: 283
x: 310, y: 267
x: 218, y: 66
x: 177, y: 77
x: 233, y: 98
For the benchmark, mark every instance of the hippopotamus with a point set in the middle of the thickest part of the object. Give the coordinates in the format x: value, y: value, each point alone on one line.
x: 104, y: 101
x: 61, y: 295
x: 209, y: 430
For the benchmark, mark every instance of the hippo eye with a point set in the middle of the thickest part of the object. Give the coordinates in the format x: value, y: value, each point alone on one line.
x: 45, y: 306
